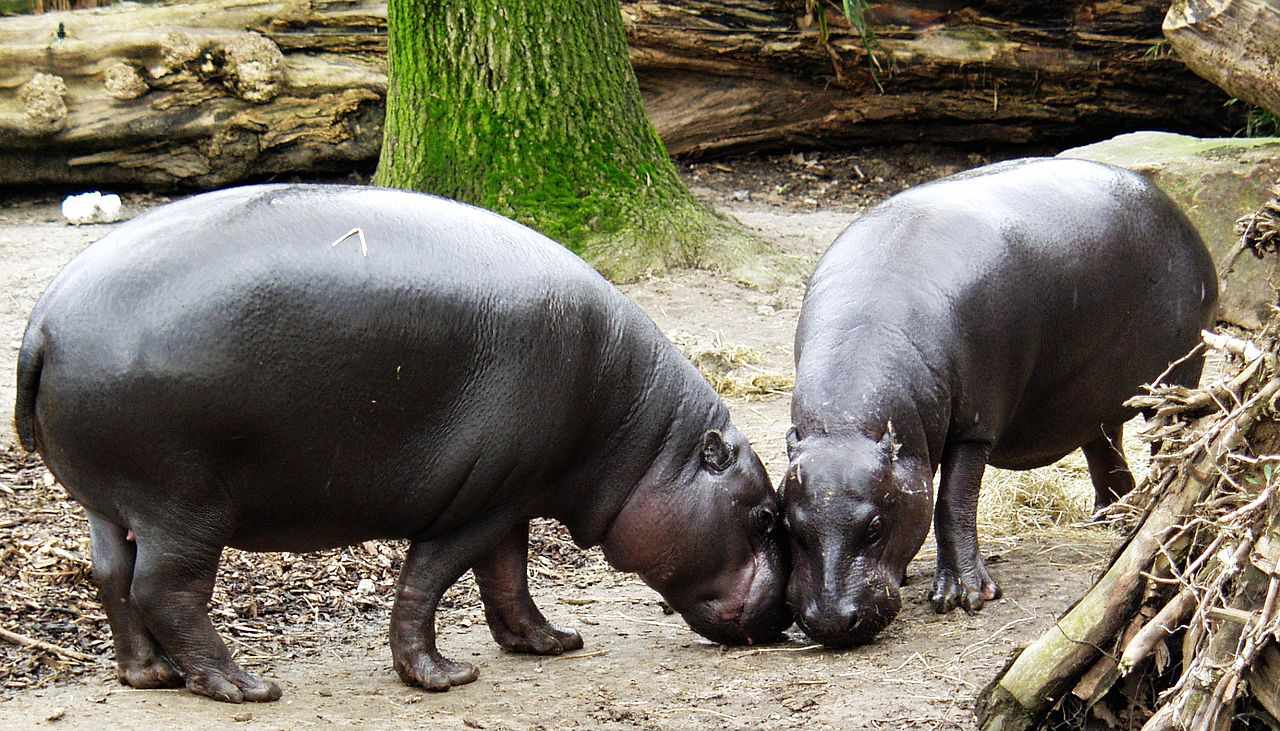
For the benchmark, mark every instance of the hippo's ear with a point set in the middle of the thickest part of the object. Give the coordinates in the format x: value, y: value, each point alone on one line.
x: 793, y: 439
x: 717, y: 455
x: 889, y: 443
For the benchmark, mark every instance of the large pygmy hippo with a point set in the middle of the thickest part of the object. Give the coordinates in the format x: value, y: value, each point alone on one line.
x: 1000, y: 316
x: 219, y: 373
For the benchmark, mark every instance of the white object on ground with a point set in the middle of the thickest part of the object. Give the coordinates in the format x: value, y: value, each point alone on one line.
x: 91, y: 208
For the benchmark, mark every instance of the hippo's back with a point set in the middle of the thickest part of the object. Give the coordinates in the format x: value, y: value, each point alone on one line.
x: 202, y: 245
x: 226, y: 334
x: 1033, y: 287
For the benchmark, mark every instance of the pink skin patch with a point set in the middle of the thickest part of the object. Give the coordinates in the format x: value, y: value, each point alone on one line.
x: 131, y: 536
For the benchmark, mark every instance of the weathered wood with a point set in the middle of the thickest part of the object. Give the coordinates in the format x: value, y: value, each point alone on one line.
x: 757, y: 73
x: 213, y: 91
x: 1264, y: 678
x: 1233, y: 43
x: 1050, y: 666
x: 197, y: 94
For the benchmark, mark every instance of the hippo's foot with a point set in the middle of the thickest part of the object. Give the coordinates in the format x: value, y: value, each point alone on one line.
x: 155, y: 672
x: 232, y: 685
x: 969, y: 590
x: 433, y: 672
x: 535, y: 638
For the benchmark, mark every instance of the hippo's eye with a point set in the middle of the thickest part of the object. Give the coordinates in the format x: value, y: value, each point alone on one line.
x: 763, y: 520
x: 873, y: 530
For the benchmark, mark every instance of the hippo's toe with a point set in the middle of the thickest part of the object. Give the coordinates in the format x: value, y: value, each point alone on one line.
x: 435, y: 673
x: 155, y: 672
x: 233, y: 686
x: 541, y: 639
x: 969, y: 590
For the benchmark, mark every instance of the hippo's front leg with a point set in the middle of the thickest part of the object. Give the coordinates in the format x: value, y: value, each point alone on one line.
x: 430, y: 568
x: 961, y: 579
x: 513, y: 618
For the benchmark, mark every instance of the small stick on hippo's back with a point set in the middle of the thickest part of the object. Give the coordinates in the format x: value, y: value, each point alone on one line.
x: 364, y: 245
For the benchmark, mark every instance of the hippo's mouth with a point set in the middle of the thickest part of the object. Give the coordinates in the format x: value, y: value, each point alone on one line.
x: 746, y: 616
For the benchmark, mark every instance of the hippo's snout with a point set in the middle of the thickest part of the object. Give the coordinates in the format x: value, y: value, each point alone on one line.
x: 754, y: 615
x: 845, y: 621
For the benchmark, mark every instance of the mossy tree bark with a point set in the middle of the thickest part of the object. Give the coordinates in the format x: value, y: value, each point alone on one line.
x: 530, y: 108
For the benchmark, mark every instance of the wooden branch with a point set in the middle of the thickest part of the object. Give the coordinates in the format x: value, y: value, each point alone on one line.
x: 1231, y: 43
x: 1158, y: 629
x: 24, y: 641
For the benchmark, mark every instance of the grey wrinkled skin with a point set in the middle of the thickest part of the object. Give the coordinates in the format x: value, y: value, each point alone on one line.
x: 215, y: 373
x: 1000, y: 316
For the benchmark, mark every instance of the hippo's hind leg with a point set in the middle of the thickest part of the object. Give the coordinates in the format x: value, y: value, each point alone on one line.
x: 513, y: 618
x: 961, y: 579
x: 1111, y: 477
x: 429, y: 569
x: 172, y: 583
x: 139, y: 662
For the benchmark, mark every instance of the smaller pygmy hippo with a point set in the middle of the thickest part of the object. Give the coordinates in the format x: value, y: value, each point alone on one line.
x: 1001, y: 316
x: 226, y: 371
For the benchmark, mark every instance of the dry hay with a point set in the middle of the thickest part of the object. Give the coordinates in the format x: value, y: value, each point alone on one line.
x: 1026, y: 502
x: 1181, y: 631
x: 733, y: 371
x: 266, y: 606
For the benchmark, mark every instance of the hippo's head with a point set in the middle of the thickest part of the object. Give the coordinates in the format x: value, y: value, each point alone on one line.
x: 707, y: 535
x: 857, y: 512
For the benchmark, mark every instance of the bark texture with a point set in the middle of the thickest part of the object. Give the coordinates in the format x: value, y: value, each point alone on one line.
x: 530, y: 108
x: 765, y: 73
x: 200, y: 94
x: 1233, y: 43
x: 213, y: 91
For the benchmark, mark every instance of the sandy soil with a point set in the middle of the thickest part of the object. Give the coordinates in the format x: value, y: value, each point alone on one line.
x: 640, y: 668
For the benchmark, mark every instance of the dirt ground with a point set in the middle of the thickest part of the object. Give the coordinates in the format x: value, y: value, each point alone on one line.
x: 640, y: 668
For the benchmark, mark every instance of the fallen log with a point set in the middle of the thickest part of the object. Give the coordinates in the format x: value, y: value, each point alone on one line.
x: 719, y: 76
x: 1233, y: 43
x: 214, y: 91
x: 199, y: 94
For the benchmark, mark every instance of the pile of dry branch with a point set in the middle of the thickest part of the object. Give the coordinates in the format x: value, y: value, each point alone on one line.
x: 1183, y: 629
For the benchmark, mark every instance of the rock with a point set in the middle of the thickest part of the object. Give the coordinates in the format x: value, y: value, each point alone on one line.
x: 1216, y: 181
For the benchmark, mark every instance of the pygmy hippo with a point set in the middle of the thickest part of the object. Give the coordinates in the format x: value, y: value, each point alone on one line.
x: 292, y: 368
x: 1000, y: 316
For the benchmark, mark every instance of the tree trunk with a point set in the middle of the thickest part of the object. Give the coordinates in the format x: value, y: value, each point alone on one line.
x: 190, y: 94
x: 1233, y: 43
x: 530, y: 108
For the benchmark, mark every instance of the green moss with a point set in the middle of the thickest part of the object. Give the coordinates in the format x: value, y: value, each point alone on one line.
x: 976, y: 37
x: 530, y: 108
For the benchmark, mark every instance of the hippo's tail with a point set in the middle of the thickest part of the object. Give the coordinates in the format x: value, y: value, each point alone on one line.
x: 30, y: 363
